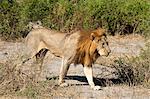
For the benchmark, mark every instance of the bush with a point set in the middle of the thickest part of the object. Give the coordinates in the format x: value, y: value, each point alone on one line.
x: 136, y: 70
x: 9, y: 19
x: 118, y: 16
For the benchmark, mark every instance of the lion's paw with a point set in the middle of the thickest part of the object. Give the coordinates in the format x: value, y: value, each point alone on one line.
x: 96, y: 88
x: 64, y: 85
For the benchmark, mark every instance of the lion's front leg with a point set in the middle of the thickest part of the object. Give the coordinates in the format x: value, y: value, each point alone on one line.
x: 89, y: 75
x: 63, y: 72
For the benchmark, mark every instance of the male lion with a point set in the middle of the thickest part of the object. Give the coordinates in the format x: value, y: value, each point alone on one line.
x: 81, y: 47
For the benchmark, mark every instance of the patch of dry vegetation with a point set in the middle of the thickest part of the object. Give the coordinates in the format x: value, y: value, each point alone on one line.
x: 136, y: 70
x: 12, y: 79
x: 15, y: 82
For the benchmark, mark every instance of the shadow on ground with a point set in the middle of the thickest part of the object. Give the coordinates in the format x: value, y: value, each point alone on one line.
x: 98, y: 81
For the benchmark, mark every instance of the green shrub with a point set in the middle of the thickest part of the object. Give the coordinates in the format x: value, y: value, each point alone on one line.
x: 9, y: 19
x: 117, y: 16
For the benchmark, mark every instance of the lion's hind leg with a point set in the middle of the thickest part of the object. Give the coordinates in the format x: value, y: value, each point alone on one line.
x: 32, y: 43
x: 36, y: 51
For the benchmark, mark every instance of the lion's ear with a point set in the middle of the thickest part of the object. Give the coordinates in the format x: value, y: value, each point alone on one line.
x: 92, y: 36
x: 103, y: 31
x: 100, y: 31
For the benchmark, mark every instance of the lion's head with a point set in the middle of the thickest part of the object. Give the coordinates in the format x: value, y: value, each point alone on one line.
x: 91, y: 45
x: 99, y: 40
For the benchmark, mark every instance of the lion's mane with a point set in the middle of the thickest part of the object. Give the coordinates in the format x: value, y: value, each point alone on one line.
x: 86, y: 52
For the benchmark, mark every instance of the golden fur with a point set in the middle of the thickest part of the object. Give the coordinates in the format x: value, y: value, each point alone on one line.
x: 81, y: 47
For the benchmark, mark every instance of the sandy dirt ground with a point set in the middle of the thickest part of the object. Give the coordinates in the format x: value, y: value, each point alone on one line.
x: 121, y: 46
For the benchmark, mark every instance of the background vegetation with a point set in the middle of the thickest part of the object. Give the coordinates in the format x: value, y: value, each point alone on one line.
x: 118, y: 16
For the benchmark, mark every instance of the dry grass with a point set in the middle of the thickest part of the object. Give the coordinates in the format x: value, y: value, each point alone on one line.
x: 16, y: 82
x: 135, y: 70
x: 13, y: 79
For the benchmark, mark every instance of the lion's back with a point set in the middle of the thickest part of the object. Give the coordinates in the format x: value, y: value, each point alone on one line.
x: 71, y: 43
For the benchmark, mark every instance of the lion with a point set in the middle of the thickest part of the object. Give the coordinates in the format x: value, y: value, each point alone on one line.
x: 80, y: 47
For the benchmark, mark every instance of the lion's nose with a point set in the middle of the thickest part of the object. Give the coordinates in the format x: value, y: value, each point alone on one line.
x: 109, y: 51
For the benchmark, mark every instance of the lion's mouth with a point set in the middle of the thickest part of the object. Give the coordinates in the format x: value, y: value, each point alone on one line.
x: 103, y: 52
x: 106, y: 55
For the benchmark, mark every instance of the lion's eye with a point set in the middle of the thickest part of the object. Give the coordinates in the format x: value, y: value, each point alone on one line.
x: 99, y: 40
x: 103, y: 43
x: 107, y: 43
